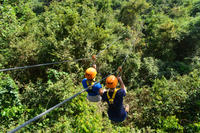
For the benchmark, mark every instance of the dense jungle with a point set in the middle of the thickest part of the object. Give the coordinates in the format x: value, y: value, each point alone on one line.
x: 160, y: 40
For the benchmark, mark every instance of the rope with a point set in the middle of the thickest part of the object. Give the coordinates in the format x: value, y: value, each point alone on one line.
x: 47, y: 111
x: 108, y: 46
x: 131, y: 48
x: 45, y: 64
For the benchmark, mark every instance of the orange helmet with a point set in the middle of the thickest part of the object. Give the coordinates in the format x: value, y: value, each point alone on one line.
x: 111, y: 81
x: 90, y: 73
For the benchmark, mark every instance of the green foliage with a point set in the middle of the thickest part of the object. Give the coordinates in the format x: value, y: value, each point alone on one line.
x: 168, y: 36
x: 8, y: 92
x: 195, y: 62
x: 163, y: 33
x: 193, y: 128
x: 10, y: 105
x: 160, y: 37
x: 12, y: 113
x: 149, y: 69
x: 88, y: 121
x: 166, y: 98
x: 190, y: 43
x: 170, y: 124
x: 130, y: 13
x: 195, y: 8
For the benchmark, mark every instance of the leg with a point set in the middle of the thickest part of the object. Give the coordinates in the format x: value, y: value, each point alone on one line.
x: 127, y: 108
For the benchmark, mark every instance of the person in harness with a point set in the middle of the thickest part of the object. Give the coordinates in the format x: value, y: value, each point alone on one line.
x: 89, y: 83
x: 114, y: 97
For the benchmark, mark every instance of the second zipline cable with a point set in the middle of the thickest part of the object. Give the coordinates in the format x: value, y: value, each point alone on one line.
x: 45, y: 64
x: 108, y: 46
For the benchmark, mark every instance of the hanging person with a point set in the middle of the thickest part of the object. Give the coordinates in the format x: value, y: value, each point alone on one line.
x: 114, y: 97
x: 89, y: 83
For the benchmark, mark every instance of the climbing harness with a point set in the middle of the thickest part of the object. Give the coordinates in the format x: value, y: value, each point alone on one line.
x: 90, y: 88
x: 111, y: 100
x: 90, y: 84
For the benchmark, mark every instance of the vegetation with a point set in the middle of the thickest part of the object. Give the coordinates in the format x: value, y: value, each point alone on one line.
x: 162, y: 71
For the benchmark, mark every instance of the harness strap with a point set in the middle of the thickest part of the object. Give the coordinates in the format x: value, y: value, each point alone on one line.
x: 88, y: 84
x: 113, y: 96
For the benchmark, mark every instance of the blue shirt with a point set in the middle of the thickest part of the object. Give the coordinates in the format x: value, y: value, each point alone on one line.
x: 95, y: 88
x: 116, y: 111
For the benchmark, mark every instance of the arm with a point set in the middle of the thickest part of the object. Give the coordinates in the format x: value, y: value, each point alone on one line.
x: 120, y: 79
x: 95, y: 66
x: 122, y: 83
x: 84, y: 83
x: 100, y: 89
x: 101, y: 92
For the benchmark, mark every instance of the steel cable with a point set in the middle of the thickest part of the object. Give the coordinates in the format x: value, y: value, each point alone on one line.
x: 45, y: 64
x: 108, y: 46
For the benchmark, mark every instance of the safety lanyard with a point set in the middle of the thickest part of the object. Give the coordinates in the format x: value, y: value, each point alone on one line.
x: 113, y: 96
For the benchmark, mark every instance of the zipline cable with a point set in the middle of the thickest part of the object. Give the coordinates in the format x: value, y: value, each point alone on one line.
x: 45, y: 64
x: 108, y: 46
x: 47, y: 111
